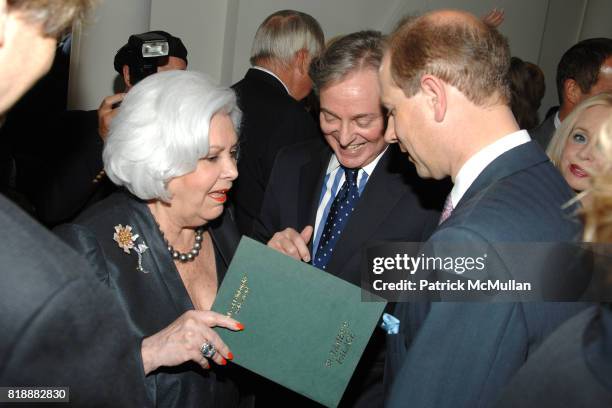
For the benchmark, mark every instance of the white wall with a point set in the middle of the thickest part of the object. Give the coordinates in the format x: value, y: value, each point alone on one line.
x: 561, y: 31
x: 94, y: 47
x: 201, y: 27
x: 218, y: 33
x: 566, y: 23
x: 335, y: 16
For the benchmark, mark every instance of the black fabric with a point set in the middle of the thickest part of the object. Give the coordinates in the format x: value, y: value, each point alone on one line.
x: 271, y: 120
x: 61, y: 175
x: 60, y: 326
x: 544, y: 132
x: 155, y: 299
x: 125, y: 54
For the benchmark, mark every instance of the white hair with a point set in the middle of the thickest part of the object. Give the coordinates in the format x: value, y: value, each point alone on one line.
x: 161, y: 130
x: 284, y: 33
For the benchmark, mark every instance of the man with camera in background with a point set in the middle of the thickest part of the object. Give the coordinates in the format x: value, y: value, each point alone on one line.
x: 68, y: 176
x: 133, y: 66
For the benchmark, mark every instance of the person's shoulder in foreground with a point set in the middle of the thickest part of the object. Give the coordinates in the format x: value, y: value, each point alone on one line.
x: 60, y: 326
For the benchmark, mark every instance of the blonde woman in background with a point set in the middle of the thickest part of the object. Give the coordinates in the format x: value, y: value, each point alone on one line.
x: 573, y: 148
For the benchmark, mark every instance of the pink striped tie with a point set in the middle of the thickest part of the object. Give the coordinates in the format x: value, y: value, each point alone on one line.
x: 448, y: 209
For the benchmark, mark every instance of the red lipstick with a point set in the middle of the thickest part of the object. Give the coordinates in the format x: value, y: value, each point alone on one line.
x: 219, y: 195
x: 578, y: 171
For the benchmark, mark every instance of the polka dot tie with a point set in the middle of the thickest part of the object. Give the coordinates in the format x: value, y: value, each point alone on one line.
x: 337, y: 218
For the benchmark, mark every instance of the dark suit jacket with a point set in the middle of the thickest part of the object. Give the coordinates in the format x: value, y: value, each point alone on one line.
x: 59, y: 325
x: 462, y: 354
x: 572, y: 368
x: 155, y: 299
x: 544, y: 131
x: 391, y: 208
x: 271, y: 120
x: 71, y: 178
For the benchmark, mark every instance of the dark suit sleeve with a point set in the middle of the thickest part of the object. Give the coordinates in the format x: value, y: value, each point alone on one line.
x: 268, y: 222
x: 294, y: 128
x: 83, y: 241
x: 78, y: 338
x: 67, y: 179
x: 558, y: 374
x: 490, y: 341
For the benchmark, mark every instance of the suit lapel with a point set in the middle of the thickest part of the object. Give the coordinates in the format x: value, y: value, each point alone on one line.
x: 381, y: 194
x: 310, y: 183
x: 258, y: 75
x: 157, y: 260
x: 514, y: 160
x: 225, y: 237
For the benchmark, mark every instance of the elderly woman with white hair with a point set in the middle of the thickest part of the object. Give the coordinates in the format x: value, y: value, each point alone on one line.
x: 164, y: 242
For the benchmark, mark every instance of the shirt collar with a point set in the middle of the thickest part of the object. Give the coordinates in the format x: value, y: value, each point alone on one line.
x: 267, y: 71
x: 368, y: 169
x: 472, y: 168
x: 556, y: 120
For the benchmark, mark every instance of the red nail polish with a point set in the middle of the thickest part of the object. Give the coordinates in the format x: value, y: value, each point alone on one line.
x: 230, y: 356
x: 223, y: 361
x: 240, y: 326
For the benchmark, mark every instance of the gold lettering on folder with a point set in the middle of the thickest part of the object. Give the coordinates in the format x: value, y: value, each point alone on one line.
x: 239, y: 297
x: 341, y: 347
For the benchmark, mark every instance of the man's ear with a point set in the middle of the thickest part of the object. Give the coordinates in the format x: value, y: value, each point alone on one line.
x: 302, y: 61
x: 3, y: 17
x: 571, y: 91
x: 435, y: 95
x: 126, y: 76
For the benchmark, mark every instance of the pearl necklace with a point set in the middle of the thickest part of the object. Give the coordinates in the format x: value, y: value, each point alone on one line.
x: 191, y: 255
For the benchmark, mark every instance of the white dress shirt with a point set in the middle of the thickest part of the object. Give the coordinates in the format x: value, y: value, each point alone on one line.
x: 273, y: 74
x: 472, y: 168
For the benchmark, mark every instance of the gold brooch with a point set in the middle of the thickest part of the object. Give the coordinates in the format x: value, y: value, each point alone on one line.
x: 127, y: 241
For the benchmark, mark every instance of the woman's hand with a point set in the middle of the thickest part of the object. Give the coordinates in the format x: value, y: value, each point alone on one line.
x: 494, y: 17
x: 182, y: 339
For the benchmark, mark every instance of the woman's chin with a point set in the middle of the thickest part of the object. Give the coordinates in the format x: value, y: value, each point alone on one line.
x: 213, y: 213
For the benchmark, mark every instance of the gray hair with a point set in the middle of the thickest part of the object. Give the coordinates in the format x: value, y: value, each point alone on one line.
x: 161, y: 130
x: 559, y: 140
x: 345, y: 55
x: 56, y: 17
x: 284, y: 33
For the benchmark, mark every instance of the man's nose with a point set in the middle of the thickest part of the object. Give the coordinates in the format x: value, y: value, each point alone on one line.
x: 390, y: 131
x: 346, y: 134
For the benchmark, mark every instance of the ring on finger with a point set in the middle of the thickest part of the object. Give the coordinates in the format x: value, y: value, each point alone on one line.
x: 208, y: 350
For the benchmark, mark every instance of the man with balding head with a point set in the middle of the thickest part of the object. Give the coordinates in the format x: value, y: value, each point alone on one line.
x: 269, y: 96
x: 444, y: 82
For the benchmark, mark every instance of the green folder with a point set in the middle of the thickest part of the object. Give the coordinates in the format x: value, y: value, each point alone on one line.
x: 304, y: 328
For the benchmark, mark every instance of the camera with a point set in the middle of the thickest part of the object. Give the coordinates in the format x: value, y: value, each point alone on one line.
x: 149, y: 50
